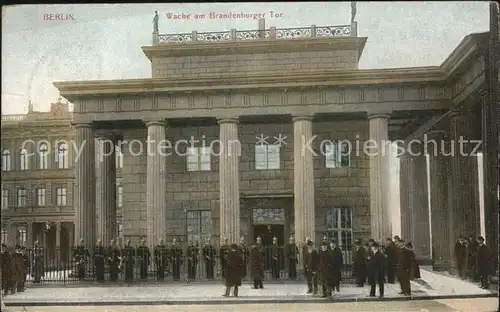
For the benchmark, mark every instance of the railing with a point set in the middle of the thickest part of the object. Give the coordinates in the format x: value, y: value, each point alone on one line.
x: 59, y: 266
x: 272, y: 33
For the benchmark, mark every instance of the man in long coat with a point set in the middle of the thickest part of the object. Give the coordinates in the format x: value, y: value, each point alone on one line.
x: 337, y: 264
x: 472, y: 247
x: 245, y: 253
x: 176, y: 259
x: 257, y: 264
x: 404, y: 268
x: 99, y: 261
x: 209, y: 255
x: 161, y: 260
x: 276, y: 257
x: 223, y: 250
x: 144, y: 259
x: 113, y: 257
x: 291, y: 255
x: 27, y: 264
x: 392, y: 260
x: 312, y: 268
x: 233, y: 274
x: 359, y: 263
x: 377, y: 264
x: 192, y: 255
x: 460, y: 256
x: 38, y: 269
x: 81, y: 256
x: 326, y: 269
x: 484, y: 263
x: 20, y: 268
x: 6, y: 269
x: 129, y: 261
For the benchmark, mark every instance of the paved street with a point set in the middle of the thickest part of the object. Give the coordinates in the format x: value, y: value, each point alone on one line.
x: 447, y: 305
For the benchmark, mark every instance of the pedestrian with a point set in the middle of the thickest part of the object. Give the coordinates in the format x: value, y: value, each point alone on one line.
x: 144, y: 259
x: 20, y: 269
x: 312, y: 267
x: 38, y: 265
x: 359, y: 263
x: 99, y: 261
x: 472, y: 247
x: 377, y: 264
x: 233, y: 273
x: 113, y: 259
x: 161, y: 260
x: 337, y: 264
x: 326, y: 270
x: 460, y: 256
x: 223, y: 250
x: 484, y: 263
x: 391, y: 254
x: 291, y: 255
x: 276, y: 258
x: 176, y: 259
x: 257, y: 264
x: 81, y: 256
x: 128, y: 259
x: 209, y: 255
x: 245, y: 253
x: 404, y: 269
x: 6, y: 269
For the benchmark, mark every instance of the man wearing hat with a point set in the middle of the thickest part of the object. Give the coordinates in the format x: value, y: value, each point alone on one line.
x: 291, y: 253
x: 484, y: 263
x: 377, y: 264
x: 359, y: 263
x: 312, y: 265
x: 20, y: 270
x: 337, y: 264
x: 326, y: 269
x: 257, y: 264
x: 234, y: 262
x: 6, y: 269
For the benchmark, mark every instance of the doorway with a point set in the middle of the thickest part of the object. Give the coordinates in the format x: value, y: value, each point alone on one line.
x: 268, y: 232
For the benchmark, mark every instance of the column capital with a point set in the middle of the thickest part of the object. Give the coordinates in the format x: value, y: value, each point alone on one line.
x: 302, y: 117
x: 378, y: 116
x: 159, y: 122
x: 77, y: 125
x: 226, y: 120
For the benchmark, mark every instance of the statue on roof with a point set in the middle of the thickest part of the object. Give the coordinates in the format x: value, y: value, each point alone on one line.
x: 353, y: 11
x: 155, y: 22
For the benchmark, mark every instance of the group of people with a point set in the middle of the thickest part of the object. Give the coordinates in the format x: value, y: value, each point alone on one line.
x: 15, y: 268
x: 473, y: 260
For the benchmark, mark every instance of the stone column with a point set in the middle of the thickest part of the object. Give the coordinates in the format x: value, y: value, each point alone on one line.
x: 156, y: 201
x: 464, y: 180
x: 405, y: 189
x: 440, y: 215
x: 107, y: 188
x: 419, y: 208
x: 84, y: 197
x: 229, y: 179
x: 303, y: 180
x: 379, y: 177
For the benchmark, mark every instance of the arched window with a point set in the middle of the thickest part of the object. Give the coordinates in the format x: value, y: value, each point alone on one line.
x: 43, y: 151
x: 24, y: 159
x: 62, y: 156
x: 5, y: 160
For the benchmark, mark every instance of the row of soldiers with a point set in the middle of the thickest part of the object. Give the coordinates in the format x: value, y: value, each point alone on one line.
x: 15, y: 268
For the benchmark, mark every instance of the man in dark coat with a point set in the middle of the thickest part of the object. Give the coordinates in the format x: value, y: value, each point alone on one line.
x: 276, y: 254
x: 245, y: 254
x: 223, y: 250
x: 38, y: 265
x: 209, y: 255
x: 484, y: 263
x: 129, y: 261
x: 176, y: 259
x: 291, y: 255
x: 472, y: 247
x: 460, y: 256
x: 337, y: 264
x: 359, y: 263
x: 161, y: 260
x: 391, y: 254
x: 144, y: 259
x: 404, y: 269
x: 113, y: 257
x: 81, y: 256
x: 99, y: 261
x: 192, y: 255
x: 18, y: 259
x: 257, y: 264
x: 27, y: 265
x: 377, y: 264
x: 415, y: 268
x: 6, y: 269
x: 325, y: 270
x: 304, y: 255
x: 312, y: 267
x: 233, y: 273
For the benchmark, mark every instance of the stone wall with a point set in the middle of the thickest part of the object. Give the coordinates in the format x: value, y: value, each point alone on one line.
x: 200, y: 190
x: 253, y: 64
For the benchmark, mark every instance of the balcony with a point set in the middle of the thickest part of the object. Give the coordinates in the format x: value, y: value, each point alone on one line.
x: 271, y: 33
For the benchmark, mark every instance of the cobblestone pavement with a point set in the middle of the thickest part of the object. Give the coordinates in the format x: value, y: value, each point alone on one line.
x: 446, y: 305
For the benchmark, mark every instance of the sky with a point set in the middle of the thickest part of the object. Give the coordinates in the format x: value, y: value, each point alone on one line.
x: 101, y: 42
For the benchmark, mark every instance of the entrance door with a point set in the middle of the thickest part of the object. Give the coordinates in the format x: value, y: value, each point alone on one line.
x: 268, y: 232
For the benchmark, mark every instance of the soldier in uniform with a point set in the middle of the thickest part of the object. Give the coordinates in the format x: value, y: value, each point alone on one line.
x: 460, y: 256
x: 176, y: 256
x: 312, y: 267
x: 209, y: 254
x: 245, y: 253
x: 471, y: 258
x: 359, y: 263
x: 484, y: 263
x: 291, y: 254
x: 38, y: 267
x: 6, y: 269
x: 99, y: 261
x: 305, y: 253
x: 391, y: 254
x: 337, y: 264
x: 193, y: 255
x: 377, y: 266
x: 405, y: 265
x: 144, y: 259
x: 161, y: 260
x: 113, y: 259
x: 27, y: 264
x: 326, y: 270
x: 257, y: 264
x: 233, y: 266
x: 276, y: 258
x: 81, y: 255
x: 20, y: 269
x: 128, y: 261
x: 223, y: 250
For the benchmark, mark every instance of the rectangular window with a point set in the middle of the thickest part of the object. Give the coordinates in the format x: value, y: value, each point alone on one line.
x: 339, y: 228
x: 337, y: 155
x: 40, y: 197
x: 198, y: 159
x: 267, y: 157
x: 61, y: 196
x: 4, y: 237
x: 21, y: 236
x: 198, y: 225
x: 5, y: 199
x: 21, y: 197
x: 119, y: 196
